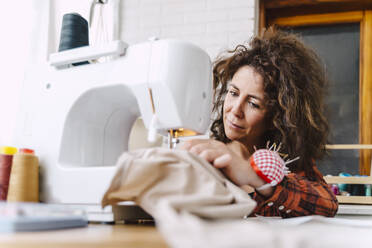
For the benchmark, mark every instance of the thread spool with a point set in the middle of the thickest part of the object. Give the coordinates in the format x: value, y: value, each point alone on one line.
x: 6, y: 157
x: 24, y: 177
x: 368, y: 189
x: 74, y: 33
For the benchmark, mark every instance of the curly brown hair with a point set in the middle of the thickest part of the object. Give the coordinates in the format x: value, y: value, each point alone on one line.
x: 294, y: 85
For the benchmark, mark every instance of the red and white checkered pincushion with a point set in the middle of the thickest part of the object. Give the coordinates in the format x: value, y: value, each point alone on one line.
x: 269, y: 166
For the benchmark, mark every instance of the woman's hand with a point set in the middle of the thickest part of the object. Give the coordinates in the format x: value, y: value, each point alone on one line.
x: 231, y: 158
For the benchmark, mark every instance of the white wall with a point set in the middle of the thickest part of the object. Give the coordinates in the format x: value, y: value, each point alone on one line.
x: 214, y: 25
x: 15, y: 28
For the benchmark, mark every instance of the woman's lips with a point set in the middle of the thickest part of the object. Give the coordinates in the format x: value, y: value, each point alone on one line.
x: 232, y: 125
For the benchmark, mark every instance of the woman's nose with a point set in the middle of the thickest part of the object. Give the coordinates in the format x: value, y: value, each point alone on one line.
x: 237, y: 109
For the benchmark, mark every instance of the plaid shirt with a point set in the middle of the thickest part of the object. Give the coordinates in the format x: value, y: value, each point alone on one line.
x: 297, y: 195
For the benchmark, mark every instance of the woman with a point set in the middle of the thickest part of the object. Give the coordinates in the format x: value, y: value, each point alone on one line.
x: 272, y: 91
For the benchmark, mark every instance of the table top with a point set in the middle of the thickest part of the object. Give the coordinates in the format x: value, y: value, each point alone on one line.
x: 95, y: 235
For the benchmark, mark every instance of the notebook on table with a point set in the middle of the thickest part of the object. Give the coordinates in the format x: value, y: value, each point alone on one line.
x: 23, y: 217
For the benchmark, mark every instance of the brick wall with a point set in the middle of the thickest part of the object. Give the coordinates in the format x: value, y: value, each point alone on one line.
x: 213, y: 25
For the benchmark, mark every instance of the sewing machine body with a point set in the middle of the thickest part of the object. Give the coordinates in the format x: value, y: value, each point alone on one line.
x: 78, y: 119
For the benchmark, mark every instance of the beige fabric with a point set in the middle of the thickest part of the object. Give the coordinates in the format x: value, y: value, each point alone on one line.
x: 177, y: 188
x: 182, y: 181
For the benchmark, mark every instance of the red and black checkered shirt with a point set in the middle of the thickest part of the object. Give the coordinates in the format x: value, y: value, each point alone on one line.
x: 298, y: 195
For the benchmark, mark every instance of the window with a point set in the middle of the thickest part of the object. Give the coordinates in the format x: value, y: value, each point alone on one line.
x: 341, y: 32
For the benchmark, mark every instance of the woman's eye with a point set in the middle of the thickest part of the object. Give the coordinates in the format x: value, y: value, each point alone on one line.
x: 252, y: 104
x: 233, y: 93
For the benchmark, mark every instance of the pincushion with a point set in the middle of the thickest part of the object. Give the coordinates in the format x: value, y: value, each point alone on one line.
x: 269, y: 166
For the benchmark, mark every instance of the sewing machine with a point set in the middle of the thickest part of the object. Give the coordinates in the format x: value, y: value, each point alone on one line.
x: 78, y: 118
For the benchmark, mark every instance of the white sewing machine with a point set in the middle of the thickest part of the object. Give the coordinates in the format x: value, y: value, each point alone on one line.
x: 78, y: 118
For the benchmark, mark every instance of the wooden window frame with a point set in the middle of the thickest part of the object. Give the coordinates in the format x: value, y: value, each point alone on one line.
x: 364, y: 17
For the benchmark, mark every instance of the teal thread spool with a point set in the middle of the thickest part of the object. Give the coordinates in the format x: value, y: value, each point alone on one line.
x: 343, y: 186
x: 368, y: 189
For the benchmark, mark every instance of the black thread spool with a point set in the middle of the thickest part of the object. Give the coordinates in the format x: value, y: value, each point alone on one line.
x: 74, y: 33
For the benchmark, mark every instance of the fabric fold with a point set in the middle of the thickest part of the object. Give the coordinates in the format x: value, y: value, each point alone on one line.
x: 179, y: 179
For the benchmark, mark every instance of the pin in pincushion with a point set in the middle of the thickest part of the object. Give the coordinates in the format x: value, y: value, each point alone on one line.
x: 269, y: 166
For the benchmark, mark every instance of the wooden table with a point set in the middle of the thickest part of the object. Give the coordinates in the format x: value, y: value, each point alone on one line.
x: 95, y: 235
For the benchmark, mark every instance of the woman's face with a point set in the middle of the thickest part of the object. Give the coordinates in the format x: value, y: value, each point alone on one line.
x: 244, y: 107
